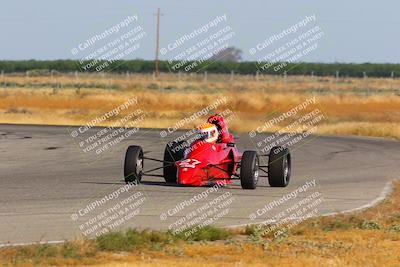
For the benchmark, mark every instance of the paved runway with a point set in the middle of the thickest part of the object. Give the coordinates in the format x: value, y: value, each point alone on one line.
x: 50, y: 189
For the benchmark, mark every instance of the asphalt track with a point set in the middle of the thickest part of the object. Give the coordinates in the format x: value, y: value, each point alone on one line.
x: 46, y: 180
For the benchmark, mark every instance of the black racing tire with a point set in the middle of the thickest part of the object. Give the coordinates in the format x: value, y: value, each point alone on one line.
x: 279, y: 167
x: 173, y: 152
x: 133, y: 167
x: 249, y: 170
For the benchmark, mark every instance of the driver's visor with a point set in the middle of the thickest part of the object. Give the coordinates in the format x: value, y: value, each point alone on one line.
x: 204, y: 135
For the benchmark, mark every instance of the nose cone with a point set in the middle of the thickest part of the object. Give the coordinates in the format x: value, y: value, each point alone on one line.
x: 191, y: 172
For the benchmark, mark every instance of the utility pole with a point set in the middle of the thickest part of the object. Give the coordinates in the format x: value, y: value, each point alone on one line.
x: 337, y: 76
x: 157, y: 42
x: 2, y: 78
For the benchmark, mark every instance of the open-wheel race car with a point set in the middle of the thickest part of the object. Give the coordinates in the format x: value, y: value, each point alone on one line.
x: 212, y: 158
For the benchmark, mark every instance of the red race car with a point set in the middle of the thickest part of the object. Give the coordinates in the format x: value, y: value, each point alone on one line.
x: 212, y: 158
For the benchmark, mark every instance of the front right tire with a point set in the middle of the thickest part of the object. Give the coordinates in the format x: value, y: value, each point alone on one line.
x: 249, y: 170
x: 279, y: 167
x: 133, y: 167
x: 173, y: 152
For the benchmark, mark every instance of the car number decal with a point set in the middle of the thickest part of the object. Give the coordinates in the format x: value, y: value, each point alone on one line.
x: 189, y: 163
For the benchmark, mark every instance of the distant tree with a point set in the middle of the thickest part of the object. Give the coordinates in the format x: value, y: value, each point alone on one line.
x: 231, y: 53
x: 226, y: 61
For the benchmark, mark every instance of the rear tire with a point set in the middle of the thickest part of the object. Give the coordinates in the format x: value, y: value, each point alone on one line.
x: 174, y: 151
x: 279, y: 167
x: 249, y: 170
x: 133, y: 167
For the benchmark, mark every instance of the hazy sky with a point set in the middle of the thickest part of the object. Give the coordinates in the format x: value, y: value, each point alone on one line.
x: 354, y: 31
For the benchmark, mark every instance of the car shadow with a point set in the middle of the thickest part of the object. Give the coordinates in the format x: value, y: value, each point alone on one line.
x: 159, y: 183
x: 164, y: 184
x: 122, y: 182
x: 116, y: 183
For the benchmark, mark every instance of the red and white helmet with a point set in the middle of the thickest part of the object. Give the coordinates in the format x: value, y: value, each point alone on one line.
x: 207, y: 132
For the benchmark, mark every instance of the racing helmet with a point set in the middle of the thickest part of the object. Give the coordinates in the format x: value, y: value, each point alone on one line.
x: 207, y: 132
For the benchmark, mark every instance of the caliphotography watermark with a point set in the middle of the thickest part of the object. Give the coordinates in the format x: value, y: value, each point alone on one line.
x: 101, y: 51
x: 124, y: 120
x: 290, y: 128
x: 110, y: 212
x: 200, y: 210
x: 190, y: 136
x: 291, y: 209
x: 290, y: 45
x: 186, y: 203
x: 181, y: 124
x: 203, y: 44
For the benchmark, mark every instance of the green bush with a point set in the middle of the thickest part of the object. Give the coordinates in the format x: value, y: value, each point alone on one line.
x: 395, y: 228
x: 369, y: 225
x: 336, y: 224
x: 207, y: 233
x: 132, y: 239
x: 153, y: 86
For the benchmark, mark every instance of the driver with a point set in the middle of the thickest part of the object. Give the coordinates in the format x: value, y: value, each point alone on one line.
x: 219, y: 122
x: 207, y: 132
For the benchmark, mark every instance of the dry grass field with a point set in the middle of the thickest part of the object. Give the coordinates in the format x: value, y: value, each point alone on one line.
x: 369, y: 107
x: 350, y: 106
